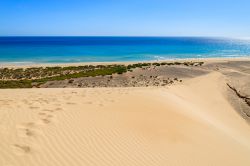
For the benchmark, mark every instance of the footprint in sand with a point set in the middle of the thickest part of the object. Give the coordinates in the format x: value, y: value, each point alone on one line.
x: 69, y: 103
x: 45, y: 120
x: 21, y: 149
x: 33, y: 107
x: 29, y: 124
x: 45, y: 113
x: 26, y: 130
x: 45, y: 101
x: 58, y: 109
x: 45, y: 117
x: 29, y: 132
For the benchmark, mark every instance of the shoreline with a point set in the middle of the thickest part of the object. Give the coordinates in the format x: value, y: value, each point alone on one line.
x: 31, y: 64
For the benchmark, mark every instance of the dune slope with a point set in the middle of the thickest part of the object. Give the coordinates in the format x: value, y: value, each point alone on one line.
x: 184, y: 125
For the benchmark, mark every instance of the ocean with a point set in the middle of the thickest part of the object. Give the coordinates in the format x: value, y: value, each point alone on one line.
x: 116, y: 49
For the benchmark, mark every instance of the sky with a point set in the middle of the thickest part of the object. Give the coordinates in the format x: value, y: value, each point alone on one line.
x: 216, y: 18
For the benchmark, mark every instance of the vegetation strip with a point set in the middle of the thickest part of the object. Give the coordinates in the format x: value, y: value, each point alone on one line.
x: 33, y: 77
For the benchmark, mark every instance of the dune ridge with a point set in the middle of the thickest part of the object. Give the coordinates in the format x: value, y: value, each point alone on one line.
x: 186, y: 124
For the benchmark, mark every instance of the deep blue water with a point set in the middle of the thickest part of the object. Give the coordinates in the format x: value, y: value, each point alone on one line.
x: 111, y: 49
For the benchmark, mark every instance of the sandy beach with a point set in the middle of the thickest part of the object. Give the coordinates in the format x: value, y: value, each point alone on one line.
x: 195, y: 120
x: 32, y: 64
x: 124, y: 83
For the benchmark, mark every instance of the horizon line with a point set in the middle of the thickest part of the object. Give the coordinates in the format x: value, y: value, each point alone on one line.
x: 184, y: 36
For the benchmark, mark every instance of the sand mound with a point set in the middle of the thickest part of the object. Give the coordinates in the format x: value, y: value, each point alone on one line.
x: 188, y: 124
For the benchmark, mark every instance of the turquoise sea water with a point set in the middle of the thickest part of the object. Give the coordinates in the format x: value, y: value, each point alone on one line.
x: 113, y: 49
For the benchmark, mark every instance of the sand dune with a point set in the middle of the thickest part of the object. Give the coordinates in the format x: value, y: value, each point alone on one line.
x: 184, y: 125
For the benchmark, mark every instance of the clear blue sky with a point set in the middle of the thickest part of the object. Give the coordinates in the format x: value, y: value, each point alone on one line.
x: 228, y: 18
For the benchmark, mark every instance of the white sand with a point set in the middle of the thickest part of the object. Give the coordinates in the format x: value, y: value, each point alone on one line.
x: 32, y: 64
x: 190, y: 124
